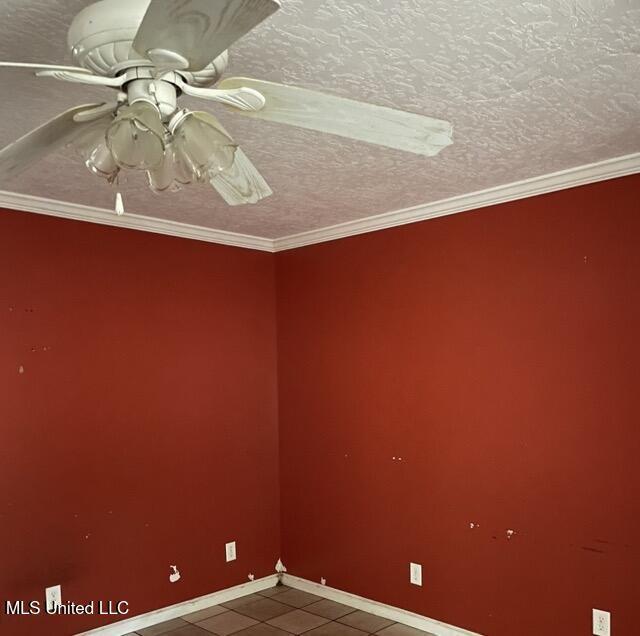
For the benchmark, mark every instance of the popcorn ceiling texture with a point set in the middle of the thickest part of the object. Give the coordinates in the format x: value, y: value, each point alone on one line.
x: 530, y: 87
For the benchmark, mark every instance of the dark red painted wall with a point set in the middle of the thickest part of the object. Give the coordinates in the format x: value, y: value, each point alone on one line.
x: 143, y: 430
x: 497, y: 353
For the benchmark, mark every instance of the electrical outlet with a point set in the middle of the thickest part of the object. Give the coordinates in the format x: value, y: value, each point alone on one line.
x: 230, y: 550
x: 415, y: 573
x: 601, y: 623
x: 53, y: 597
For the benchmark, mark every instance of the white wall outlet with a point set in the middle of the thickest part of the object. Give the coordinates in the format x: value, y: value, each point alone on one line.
x: 230, y: 550
x: 415, y: 573
x: 53, y: 597
x: 601, y: 623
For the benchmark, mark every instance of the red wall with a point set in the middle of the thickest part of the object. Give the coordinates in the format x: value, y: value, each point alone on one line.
x: 495, y: 352
x: 498, y: 354
x: 144, y: 423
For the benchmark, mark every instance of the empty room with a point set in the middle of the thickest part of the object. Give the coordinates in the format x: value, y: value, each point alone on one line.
x: 319, y: 318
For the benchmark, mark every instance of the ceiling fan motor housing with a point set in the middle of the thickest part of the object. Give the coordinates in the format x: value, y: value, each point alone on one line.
x: 101, y: 36
x: 157, y: 92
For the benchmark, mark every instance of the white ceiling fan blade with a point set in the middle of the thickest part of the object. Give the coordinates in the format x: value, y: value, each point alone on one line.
x: 188, y: 34
x: 347, y: 118
x: 33, y: 146
x: 36, y: 68
x: 242, y: 183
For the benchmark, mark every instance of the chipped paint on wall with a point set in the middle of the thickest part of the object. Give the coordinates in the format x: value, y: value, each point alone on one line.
x: 174, y: 577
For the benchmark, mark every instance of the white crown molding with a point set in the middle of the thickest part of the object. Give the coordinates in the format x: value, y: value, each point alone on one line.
x: 50, y: 207
x: 581, y: 175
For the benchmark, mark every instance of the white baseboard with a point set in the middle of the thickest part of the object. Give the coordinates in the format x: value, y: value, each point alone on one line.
x: 180, y: 609
x: 396, y: 614
x: 438, y: 628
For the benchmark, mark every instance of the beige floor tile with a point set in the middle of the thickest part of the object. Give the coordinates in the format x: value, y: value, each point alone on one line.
x: 366, y: 622
x: 200, y: 615
x: 297, y: 598
x: 264, y: 609
x: 226, y: 623
x: 162, y: 628
x: 243, y: 600
x: 329, y: 609
x: 276, y: 589
x: 188, y: 630
x: 335, y: 629
x: 297, y: 621
x: 262, y: 629
x: 403, y: 630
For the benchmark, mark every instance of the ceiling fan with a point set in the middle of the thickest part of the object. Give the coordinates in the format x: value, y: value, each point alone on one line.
x: 153, y: 51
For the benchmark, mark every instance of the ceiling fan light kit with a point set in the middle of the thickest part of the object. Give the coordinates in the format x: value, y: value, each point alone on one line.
x: 152, y: 52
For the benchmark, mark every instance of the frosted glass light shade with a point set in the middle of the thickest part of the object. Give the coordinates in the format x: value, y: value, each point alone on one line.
x: 164, y: 177
x: 201, y: 148
x: 92, y: 147
x: 102, y: 163
x: 182, y: 175
x: 136, y: 137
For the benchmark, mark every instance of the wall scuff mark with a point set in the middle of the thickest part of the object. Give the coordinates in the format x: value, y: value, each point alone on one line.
x: 584, y: 547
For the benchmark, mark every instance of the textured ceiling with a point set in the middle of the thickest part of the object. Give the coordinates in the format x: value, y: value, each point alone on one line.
x: 530, y: 87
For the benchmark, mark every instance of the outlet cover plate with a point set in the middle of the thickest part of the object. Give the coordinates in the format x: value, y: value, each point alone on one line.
x: 415, y: 573
x: 601, y: 623
x: 53, y: 597
x: 230, y: 551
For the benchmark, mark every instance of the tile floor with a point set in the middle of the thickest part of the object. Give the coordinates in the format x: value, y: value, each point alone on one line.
x: 280, y: 611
